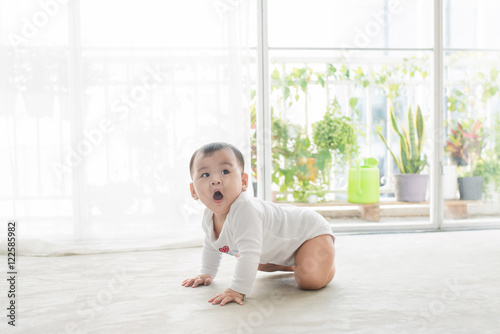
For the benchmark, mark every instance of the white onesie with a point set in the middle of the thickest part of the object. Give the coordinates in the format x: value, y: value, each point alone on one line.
x: 256, y: 232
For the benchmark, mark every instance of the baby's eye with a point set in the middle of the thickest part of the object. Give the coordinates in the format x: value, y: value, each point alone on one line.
x: 225, y: 172
x: 205, y: 175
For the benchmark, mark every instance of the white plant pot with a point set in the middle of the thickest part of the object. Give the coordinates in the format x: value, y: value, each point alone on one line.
x: 312, y: 199
x: 410, y: 187
x: 450, y: 184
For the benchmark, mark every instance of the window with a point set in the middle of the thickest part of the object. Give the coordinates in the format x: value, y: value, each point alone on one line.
x: 355, y: 62
x: 472, y: 112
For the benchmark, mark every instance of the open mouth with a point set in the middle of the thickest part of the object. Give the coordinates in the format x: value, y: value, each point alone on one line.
x: 218, y: 196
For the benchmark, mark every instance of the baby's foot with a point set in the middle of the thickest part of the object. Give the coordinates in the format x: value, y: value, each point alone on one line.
x: 270, y: 267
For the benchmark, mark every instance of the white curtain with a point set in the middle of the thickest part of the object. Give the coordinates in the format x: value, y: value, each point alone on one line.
x: 102, y: 104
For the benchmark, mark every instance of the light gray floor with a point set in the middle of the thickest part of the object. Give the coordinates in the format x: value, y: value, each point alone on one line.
x: 446, y: 282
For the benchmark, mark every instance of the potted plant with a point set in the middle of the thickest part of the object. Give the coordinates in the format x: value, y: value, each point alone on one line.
x: 489, y: 169
x: 311, y: 193
x: 295, y: 169
x: 284, y: 168
x: 489, y: 165
x: 464, y: 144
x: 335, y: 137
x: 410, y: 185
x: 308, y: 187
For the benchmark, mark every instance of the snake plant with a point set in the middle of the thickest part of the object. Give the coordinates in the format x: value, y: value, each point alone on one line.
x: 411, y: 159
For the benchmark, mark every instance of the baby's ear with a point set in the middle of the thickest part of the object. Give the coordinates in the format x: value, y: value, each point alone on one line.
x: 193, y: 192
x: 244, y: 181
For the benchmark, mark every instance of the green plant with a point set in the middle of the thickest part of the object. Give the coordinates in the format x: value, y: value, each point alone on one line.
x: 335, y: 138
x: 488, y: 164
x: 302, y: 194
x: 496, y: 136
x: 294, y: 163
x: 392, y: 78
x: 489, y: 169
x: 457, y: 101
x: 411, y: 158
x: 489, y: 84
x: 298, y: 79
x: 281, y: 153
x: 465, y: 143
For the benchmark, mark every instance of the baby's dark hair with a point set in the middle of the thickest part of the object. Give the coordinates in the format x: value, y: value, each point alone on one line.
x: 208, y: 149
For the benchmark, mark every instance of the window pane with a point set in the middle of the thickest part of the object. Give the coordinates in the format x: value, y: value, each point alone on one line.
x: 472, y: 24
x: 351, y: 24
x: 351, y: 93
x: 472, y: 113
x: 472, y: 128
x: 308, y: 85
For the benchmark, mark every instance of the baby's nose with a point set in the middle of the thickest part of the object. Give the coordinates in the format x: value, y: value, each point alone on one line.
x: 215, y: 181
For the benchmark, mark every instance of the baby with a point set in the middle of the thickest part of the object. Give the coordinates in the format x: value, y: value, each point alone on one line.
x: 261, y: 235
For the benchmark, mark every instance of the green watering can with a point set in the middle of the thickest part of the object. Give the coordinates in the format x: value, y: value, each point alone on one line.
x: 363, y: 182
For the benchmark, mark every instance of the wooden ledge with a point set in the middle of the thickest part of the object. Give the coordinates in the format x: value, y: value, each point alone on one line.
x: 345, y: 203
x: 454, y: 209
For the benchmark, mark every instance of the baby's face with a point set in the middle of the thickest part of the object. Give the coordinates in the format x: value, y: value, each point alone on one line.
x: 218, y: 180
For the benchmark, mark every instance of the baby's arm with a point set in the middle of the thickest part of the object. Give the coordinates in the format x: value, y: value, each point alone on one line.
x: 210, y: 261
x: 248, y: 240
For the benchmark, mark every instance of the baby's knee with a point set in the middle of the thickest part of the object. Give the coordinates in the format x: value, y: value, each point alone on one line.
x: 316, y: 281
x: 311, y: 283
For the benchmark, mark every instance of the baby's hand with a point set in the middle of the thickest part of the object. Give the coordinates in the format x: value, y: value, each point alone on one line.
x: 200, y: 279
x: 227, y: 296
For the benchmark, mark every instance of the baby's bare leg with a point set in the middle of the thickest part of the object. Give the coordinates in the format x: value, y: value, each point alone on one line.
x: 269, y: 267
x: 315, y: 263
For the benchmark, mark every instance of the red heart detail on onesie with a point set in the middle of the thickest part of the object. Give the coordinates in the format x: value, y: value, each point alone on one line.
x: 224, y: 249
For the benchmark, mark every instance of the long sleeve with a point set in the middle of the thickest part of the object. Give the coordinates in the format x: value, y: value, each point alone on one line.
x: 248, y: 239
x: 210, y: 259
